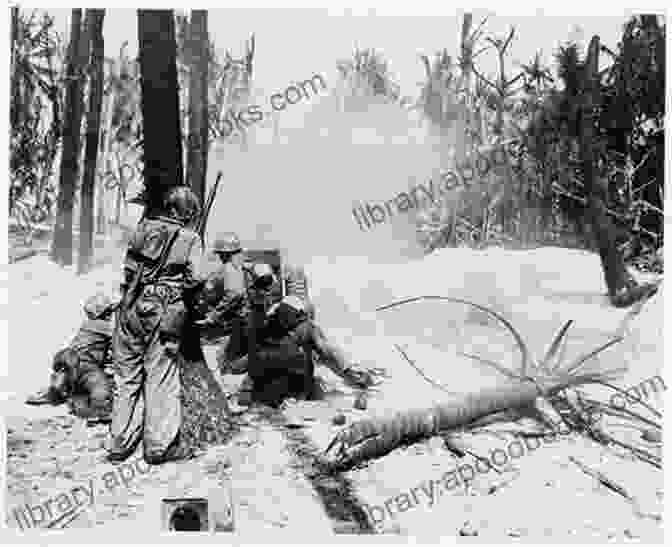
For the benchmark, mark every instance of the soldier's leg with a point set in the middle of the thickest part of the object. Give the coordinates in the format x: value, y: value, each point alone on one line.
x: 281, y: 370
x: 96, y: 385
x: 129, y: 405
x: 163, y: 415
x: 234, y: 348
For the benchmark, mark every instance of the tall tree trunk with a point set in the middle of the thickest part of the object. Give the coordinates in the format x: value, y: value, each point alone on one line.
x: 14, y: 88
x: 61, y: 249
x: 14, y: 80
x: 604, y: 231
x: 160, y: 106
x: 105, y: 147
x: 197, y: 154
x: 94, y: 18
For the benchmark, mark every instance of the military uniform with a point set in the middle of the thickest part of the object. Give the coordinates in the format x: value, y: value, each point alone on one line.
x: 92, y: 388
x: 159, y: 266
x: 229, y: 308
x: 284, y: 357
x: 223, y: 299
x: 79, y: 376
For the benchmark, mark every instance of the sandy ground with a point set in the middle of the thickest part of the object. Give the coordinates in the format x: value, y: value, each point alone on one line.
x: 540, y: 496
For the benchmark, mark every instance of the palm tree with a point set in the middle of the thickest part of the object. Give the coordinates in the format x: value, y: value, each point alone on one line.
x: 565, y: 127
x: 95, y: 19
x: 35, y: 111
x: 61, y: 250
x: 122, y: 129
x: 162, y: 135
x: 232, y: 88
x: 364, y: 76
x: 197, y: 145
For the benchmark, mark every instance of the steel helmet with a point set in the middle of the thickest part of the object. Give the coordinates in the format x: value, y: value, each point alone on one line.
x: 97, y: 305
x: 263, y: 275
x: 227, y: 242
x: 182, y: 204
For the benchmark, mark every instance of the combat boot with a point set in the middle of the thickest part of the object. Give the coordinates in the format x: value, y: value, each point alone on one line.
x: 47, y: 396
x: 179, y: 450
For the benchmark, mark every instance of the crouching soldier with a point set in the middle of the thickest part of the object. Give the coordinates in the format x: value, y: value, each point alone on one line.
x: 286, y: 340
x: 79, y: 377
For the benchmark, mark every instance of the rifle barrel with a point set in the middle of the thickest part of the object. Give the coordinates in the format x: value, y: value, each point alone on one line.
x: 208, y: 206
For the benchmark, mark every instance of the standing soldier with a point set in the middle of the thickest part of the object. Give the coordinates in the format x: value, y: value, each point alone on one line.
x: 158, y: 268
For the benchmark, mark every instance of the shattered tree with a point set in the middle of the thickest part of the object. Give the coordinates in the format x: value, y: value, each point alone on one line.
x: 375, y: 437
x: 198, y: 57
x: 61, y: 248
x: 94, y: 18
x: 615, y: 274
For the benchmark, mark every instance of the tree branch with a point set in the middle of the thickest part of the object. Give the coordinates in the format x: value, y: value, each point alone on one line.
x: 484, y: 79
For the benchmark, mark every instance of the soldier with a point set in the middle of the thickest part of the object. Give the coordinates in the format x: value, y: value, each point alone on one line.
x: 288, y: 324
x: 159, y: 268
x: 79, y: 376
x: 224, y: 297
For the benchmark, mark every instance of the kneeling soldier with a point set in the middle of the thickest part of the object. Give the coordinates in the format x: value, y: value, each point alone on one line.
x: 286, y: 340
x: 79, y: 376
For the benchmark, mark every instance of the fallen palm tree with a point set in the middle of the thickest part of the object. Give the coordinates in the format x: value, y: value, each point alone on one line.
x: 376, y: 437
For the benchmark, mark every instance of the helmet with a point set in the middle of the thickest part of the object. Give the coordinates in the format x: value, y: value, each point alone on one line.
x: 263, y: 276
x: 227, y: 242
x: 182, y: 204
x: 97, y: 305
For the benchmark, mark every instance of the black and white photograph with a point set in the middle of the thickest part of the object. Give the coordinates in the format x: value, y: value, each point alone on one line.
x: 299, y: 275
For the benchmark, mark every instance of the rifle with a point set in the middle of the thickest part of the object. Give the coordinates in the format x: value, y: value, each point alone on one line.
x: 203, y: 221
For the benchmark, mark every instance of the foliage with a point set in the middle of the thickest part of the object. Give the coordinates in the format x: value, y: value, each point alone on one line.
x: 122, y: 86
x: 367, y: 73
x: 35, y: 112
x: 629, y: 129
x: 229, y: 79
x: 541, y: 197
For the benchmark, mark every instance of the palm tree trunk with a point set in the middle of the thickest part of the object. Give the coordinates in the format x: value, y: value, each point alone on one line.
x: 14, y: 80
x: 160, y: 105
x: 61, y: 250
x: 197, y: 154
x: 94, y: 19
x: 101, y: 220
x: 604, y: 231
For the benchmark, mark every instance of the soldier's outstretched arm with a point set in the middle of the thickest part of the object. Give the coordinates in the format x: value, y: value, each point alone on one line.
x: 333, y: 356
